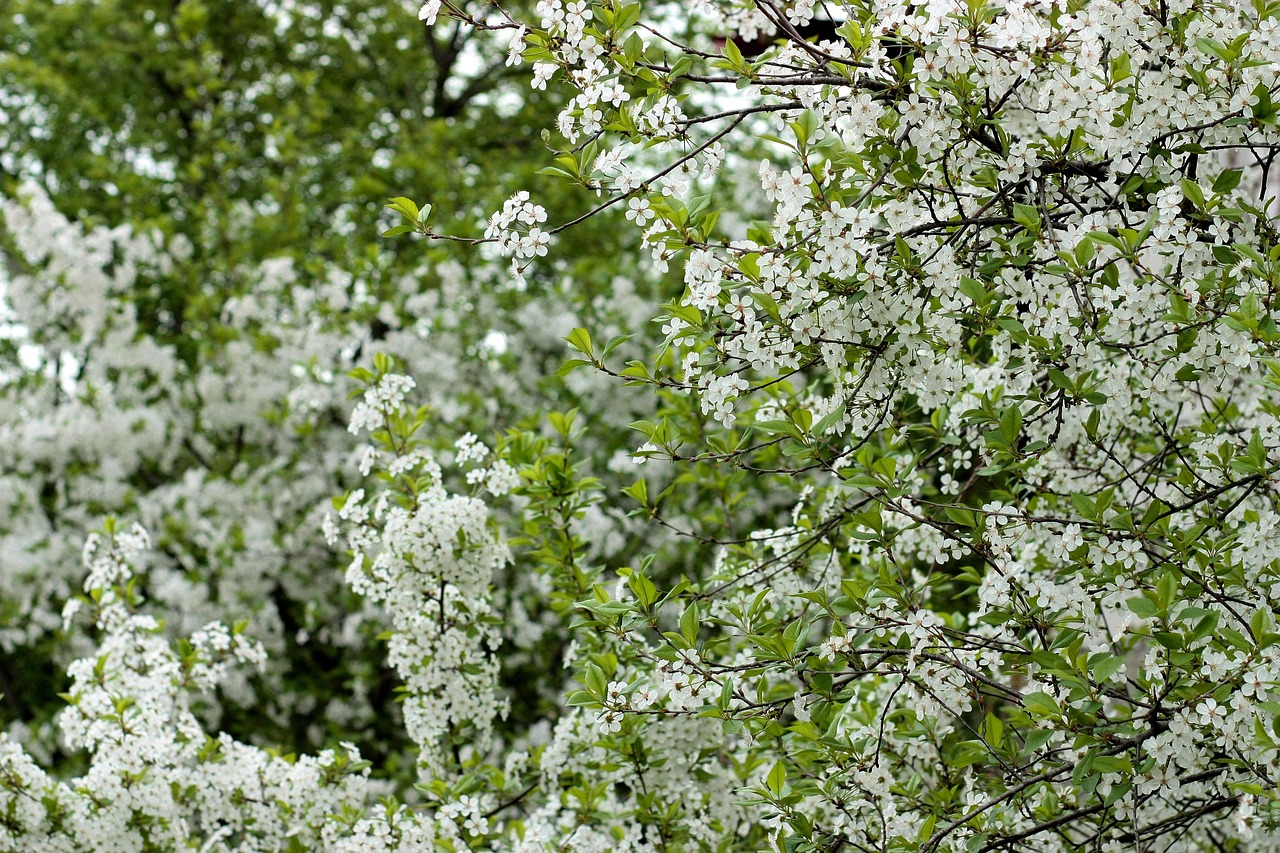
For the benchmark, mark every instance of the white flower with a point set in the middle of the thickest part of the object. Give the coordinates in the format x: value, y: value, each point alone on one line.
x: 542, y: 73
x: 515, y: 50
x: 638, y: 211
x: 429, y: 12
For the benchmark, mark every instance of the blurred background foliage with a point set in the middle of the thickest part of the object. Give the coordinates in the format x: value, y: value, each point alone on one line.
x: 258, y: 132
x: 268, y: 137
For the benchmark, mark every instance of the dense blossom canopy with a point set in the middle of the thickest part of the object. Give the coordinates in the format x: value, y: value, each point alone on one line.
x: 946, y: 520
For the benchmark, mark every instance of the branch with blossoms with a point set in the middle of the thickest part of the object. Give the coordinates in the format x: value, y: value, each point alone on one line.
x: 974, y: 336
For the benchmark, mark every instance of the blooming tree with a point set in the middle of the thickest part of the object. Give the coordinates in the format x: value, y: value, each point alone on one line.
x: 184, y: 364
x: 945, y: 522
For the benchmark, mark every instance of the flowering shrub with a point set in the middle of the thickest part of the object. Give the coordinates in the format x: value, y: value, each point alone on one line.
x: 156, y: 780
x: 947, y: 518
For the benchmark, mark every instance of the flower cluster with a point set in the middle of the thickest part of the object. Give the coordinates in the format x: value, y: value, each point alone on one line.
x: 428, y: 558
x: 155, y: 780
x: 517, y: 230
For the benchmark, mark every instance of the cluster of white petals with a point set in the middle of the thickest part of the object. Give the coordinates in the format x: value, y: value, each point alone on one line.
x: 428, y: 560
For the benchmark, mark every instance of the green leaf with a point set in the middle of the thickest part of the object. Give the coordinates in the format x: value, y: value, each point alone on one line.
x: 1108, y: 666
x: 1204, y: 627
x: 681, y: 66
x: 406, y: 206
x: 1061, y: 380
x: 1041, y: 705
x: 1166, y: 590
x: 1263, y: 110
x: 1014, y: 326
x: 995, y: 730
x: 1034, y: 740
x: 1113, y: 764
x: 633, y: 47
x: 640, y: 491
x: 1121, y: 68
x: 829, y: 421
x: 614, y: 342
x: 973, y: 289
x: 1187, y: 373
x: 689, y: 624
x: 1141, y: 606
x: 643, y: 589
x: 1227, y: 181
x: 1192, y: 191
x: 736, y: 62
x: 570, y: 366
x: 1028, y: 216
x: 594, y: 680
x: 777, y: 779
x: 580, y: 340
x: 1011, y: 424
x: 1084, y: 253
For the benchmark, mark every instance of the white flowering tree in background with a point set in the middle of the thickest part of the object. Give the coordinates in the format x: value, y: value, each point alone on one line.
x: 946, y: 521
x: 192, y: 266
